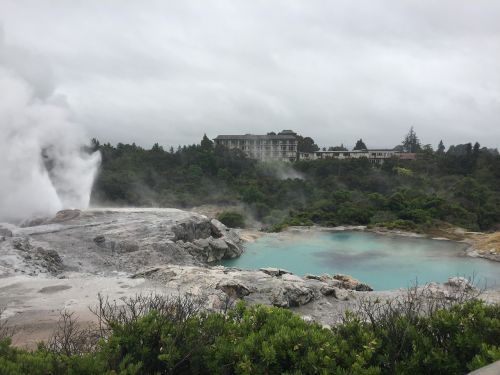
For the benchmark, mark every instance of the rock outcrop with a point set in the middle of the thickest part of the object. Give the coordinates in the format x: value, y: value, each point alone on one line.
x: 4, y: 232
x: 267, y: 286
x: 123, y: 240
x: 19, y: 255
x: 348, y: 282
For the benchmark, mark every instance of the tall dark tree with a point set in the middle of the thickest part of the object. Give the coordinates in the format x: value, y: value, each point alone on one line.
x: 360, y: 145
x: 441, y: 148
x: 411, y: 143
x: 206, y: 144
x: 338, y: 148
x: 306, y: 144
x: 468, y: 149
x: 156, y: 148
x: 476, y: 149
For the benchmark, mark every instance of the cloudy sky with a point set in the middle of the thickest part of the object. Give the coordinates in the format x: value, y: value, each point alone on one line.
x: 169, y: 71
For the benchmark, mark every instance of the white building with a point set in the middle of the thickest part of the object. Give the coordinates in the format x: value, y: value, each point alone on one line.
x: 272, y: 146
x: 376, y: 156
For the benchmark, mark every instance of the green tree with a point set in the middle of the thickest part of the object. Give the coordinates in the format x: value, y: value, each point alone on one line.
x: 338, y: 148
x: 441, y: 148
x: 476, y: 150
x: 360, y: 145
x: 306, y: 144
x: 411, y: 143
x: 206, y: 144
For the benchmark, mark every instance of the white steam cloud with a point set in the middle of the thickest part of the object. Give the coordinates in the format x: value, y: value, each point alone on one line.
x: 44, y: 163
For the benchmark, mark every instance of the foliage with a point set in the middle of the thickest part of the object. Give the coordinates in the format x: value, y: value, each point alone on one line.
x: 306, y: 144
x: 231, y: 219
x: 461, y: 186
x: 360, y: 145
x: 441, y: 148
x: 159, y: 335
x: 411, y: 143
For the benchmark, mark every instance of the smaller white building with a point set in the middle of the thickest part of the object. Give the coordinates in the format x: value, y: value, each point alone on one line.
x: 376, y: 156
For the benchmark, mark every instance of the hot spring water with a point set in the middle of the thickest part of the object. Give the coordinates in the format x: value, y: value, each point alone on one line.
x: 383, y: 262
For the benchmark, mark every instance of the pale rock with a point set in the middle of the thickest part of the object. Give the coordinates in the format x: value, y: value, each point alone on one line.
x: 292, y: 278
x: 460, y: 283
x: 348, y: 282
x: 233, y: 288
x: 274, y: 271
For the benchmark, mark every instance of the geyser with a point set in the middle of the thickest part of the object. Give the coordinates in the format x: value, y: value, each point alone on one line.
x: 45, y: 165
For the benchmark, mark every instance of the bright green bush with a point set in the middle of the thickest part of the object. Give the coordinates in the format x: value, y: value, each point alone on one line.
x: 269, y: 340
x: 231, y: 219
x: 154, y: 334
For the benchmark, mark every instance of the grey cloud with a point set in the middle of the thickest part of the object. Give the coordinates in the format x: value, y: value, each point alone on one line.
x: 169, y: 71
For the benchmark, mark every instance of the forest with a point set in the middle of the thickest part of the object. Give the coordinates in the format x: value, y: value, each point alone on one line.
x: 458, y: 186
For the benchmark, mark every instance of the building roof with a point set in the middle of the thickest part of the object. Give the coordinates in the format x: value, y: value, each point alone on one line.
x: 257, y: 137
x: 353, y: 151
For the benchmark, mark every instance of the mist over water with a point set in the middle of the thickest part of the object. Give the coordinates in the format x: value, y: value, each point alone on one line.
x: 45, y: 165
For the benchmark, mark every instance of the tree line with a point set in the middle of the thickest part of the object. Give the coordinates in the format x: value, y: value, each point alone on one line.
x: 460, y: 186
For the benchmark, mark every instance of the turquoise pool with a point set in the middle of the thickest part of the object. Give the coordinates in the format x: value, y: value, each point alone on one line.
x: 382, y: 261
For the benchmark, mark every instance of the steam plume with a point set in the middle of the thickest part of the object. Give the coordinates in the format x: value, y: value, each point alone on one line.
x: 44, y: 165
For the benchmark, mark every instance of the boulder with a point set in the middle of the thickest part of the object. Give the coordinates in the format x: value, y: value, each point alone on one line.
x: 22, y: 244
x: 348, y: 282
x: 99, y: 240
x: 279, y: 298
x: 218, y: 229
x: 312, y: 277
x: 197, y: 252
x: 202, y: 242
x: 362, y: 287
x: 328, y: 290
x: 291, y: 295
x: 192, y: 229
x: 49, y: 259
x: 331, y: 291
x: 233, y: 288
x: 233, y: 250
x: 459, y: 283
x: 275, y: 272
x: 65, y: 215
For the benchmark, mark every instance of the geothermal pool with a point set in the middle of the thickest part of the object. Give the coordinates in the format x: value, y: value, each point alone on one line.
x: 382, y: 261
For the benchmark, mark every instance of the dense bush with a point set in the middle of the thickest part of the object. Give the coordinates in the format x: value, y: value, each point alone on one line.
x: 231, y: 219
x: 154, y: 335
x: 461, y: 189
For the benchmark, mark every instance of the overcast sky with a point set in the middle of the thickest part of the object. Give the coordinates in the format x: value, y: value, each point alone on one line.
x: 169, y: 71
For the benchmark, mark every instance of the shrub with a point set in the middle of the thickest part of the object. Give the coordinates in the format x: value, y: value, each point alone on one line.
x: 231, y: 219
x: 400, y: 224
x: 416, y: 333
x: 416, y: 215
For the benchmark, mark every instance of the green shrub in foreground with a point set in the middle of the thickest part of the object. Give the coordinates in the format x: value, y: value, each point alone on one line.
x: 267, y: 340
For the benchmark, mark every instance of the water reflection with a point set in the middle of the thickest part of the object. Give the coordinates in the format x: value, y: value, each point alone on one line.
x: 384, y: 262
